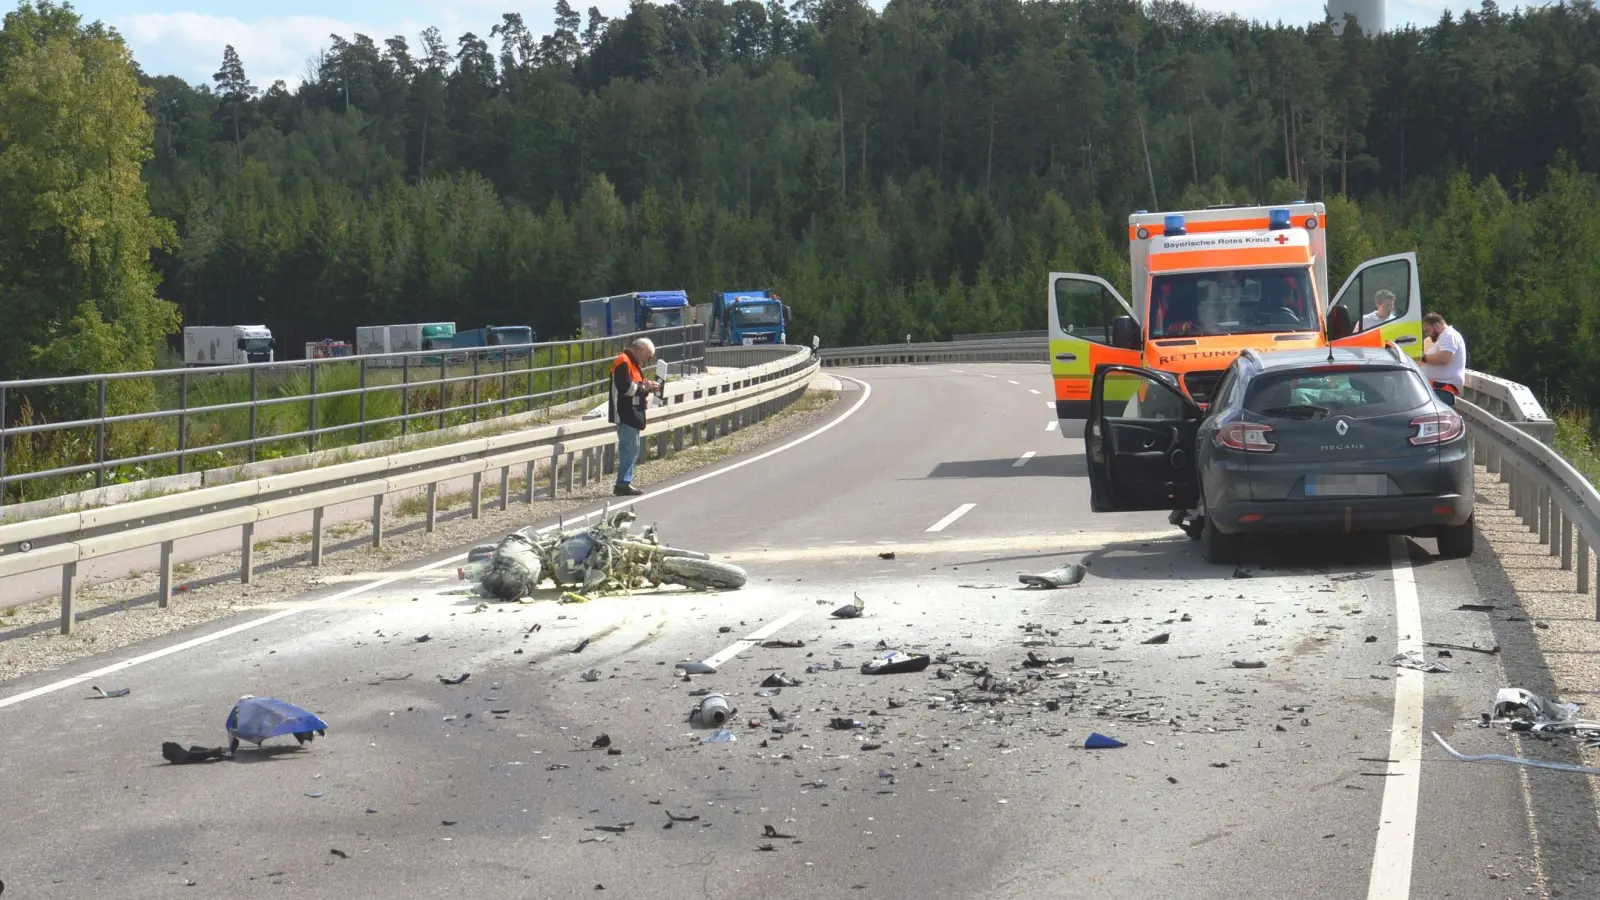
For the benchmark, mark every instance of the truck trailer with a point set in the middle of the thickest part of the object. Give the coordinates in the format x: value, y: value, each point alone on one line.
x: 496, y: 336
x: 423, y: 337
x: 631, y: 312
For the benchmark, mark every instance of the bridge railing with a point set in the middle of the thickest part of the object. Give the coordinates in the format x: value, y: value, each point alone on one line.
x: 131, y: 426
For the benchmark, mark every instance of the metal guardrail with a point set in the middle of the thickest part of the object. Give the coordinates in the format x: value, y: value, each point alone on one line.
x: 1547, y: 493
x: 357, y: 395
x: 698, y: 409
x: 996, y: 350
x: 1510, y: 402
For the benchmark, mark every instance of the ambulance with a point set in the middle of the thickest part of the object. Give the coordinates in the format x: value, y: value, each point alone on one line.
x: 1209, y: 284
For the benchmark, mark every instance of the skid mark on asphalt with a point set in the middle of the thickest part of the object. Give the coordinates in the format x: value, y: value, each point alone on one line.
x: 949, y: 520
x: 756, y: 637
x: 1397, y: 822
x: 621, y: 503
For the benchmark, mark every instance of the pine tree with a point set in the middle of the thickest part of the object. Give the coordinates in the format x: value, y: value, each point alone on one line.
x: 237, y: 92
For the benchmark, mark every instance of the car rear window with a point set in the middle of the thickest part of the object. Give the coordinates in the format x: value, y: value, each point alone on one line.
x: 1359, y: 392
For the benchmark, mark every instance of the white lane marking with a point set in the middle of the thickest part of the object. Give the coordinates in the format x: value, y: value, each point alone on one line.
x: 959, y: 371
x: 1397, y: 822
x: 1017, y: 383
x: 945, y: 522
x: 1051, y: 425
x: 987, y: 375
x: 866, y: 392
x: 1048, y: 404
x: 756, y: 637
x: 1033, y: 390
x: 1023, y: 460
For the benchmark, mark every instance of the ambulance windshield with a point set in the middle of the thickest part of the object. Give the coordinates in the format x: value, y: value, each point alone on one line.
x: 1244, y: 301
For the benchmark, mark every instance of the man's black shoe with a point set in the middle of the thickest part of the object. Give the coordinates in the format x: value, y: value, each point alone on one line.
x: 626, y: 490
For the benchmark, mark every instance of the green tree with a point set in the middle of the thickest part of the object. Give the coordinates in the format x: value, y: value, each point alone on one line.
x: 237, y: 92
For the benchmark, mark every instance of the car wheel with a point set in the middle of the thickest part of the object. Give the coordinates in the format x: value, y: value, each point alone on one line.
x: 1455, y: 541
x: 1220, y: 549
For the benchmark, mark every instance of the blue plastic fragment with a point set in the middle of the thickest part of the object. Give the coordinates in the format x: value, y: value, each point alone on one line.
x: 255, y: 719
x: 1098, y: 741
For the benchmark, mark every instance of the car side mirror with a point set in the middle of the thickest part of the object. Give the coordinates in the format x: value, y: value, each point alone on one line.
x: 1125, y: 333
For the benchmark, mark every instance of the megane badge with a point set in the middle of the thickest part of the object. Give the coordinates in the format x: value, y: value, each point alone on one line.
x: 1342, y: 427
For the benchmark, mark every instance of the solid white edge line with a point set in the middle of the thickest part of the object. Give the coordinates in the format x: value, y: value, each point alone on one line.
x: 756, y: 637
x: 1023, y: 460
x: 1051, y: 425
x: 945, y: 522
x: 866, y: 392
x: 1397, y: 822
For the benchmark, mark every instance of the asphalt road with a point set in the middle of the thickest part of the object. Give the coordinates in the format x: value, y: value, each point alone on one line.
x: 1234, y: 782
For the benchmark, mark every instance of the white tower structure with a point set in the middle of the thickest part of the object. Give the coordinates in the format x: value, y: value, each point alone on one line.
x: 1368, y: 13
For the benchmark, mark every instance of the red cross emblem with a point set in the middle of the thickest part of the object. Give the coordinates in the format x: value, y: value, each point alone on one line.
x: 1282, y: 239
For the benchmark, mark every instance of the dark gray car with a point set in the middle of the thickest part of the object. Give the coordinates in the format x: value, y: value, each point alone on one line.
x: 1294, y: 441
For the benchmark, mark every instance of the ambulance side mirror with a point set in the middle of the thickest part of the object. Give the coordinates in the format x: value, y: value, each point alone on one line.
x: 1339, y: 323
x: 1125, y: 333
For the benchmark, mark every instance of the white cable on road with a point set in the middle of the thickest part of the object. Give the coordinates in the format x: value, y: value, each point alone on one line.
x: 947, y: 521
x: 618, y: 503
x: 1023, y: 460
x: 1397, y: 820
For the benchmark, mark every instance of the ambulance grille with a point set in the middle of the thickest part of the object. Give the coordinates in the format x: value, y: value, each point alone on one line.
x: 1201, y: 385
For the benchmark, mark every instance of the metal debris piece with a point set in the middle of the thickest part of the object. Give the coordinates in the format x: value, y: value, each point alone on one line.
x: 889, y: 554
x: 779, y: 680
x: 581, y: 644
x: 1064, y: 576
x: 843, y: 724
x: 1158, y: 639
x: 1412, y: 659
x: 696, y: 668
x: 591, y: 675
x: 1515, y: 760
x: 851, y: 610
x: 603, y: 740
x: 783, y: 645
x: 896, y: 663
x: 1472, y: 648
x: 1249, y: 664
x: 105, y: 694
x: 457, y: 680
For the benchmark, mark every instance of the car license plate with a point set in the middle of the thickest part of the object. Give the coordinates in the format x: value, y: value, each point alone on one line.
x: 1347, y: 485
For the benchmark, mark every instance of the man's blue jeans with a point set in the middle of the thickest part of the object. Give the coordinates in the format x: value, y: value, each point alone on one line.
x: 627, y: 452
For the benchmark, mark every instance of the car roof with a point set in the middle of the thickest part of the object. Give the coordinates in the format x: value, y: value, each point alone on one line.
x: 1278, y: 360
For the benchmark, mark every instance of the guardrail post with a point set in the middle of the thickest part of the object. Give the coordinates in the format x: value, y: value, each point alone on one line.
x: 505, y: 384
x: 581, y: 464
x: 247, y: 552
x: 164, y: 592
x: 377, y: 521
x: 1566, y: 543
x: 311, y: 418
x: 677, y: 440
x: 477, y: 495
x: 405, y: 393
x: 566, y: 472
x: 432, y: 517
x: 476, y: 360
x: 1545, y: 503
x: 608, y: 459
x: 444, y: 386
x: 527, y: 489
x: 100, y: 438
x: 505, y: 487
x: 361, y: 436
x: 3, y: 447
x: 1583, y: 566
x: 183, y: 427
x: 1558, y: 523
x: 555, y: 463
x: 69, y: 574
x: 316, y: 536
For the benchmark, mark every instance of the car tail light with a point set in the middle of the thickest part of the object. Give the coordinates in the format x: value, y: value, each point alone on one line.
x: 1247, y: 436
x: 1438, y: 428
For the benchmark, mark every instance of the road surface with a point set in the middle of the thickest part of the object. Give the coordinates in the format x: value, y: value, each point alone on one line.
x: 1312, y: 774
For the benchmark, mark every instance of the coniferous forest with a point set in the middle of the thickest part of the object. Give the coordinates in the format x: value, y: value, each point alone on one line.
x: 916, y: 170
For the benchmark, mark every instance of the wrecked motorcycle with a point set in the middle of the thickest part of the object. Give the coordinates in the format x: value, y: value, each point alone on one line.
x: 606, y: 556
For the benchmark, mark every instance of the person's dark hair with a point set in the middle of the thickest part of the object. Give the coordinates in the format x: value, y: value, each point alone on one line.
x: 1433, y: 318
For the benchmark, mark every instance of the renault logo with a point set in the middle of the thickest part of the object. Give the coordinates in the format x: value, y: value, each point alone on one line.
x: 1342, y: 427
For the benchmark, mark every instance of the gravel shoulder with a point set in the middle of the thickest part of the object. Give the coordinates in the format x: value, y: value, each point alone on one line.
x: 121, y: 613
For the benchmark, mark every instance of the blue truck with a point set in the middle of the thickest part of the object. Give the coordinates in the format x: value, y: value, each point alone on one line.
x: 495, y: 336
x: 631, y: 312
x: 743, y: 318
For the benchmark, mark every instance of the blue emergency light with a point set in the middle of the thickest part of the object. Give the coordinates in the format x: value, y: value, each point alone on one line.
x: 1277, y: 219
x: 1174, y: 226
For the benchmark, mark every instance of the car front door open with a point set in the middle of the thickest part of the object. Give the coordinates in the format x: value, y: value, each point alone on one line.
x: 1141, y: 452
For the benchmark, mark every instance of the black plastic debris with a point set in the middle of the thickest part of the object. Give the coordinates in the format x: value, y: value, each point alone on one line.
x: 423, y: 638
x: 581, y: 644
x: 1065, y: 576
x: 779, y: 680
x: 1477, y: 607
x: 105, y: 694
x: 178, y: 756
x: 1161, y: 638
x: 886, y: 555
x: 769, y: 831
x: 1371, y: 639
x: 783, y: 645
x: 842, y: 724
x: 725, y: 629
x: 851, y: 610
x: 458, y: 680
x: 775, y: 714
x: 603, y: 740
x: 339, y: 853
x: 1249, y: 664
x: 896, y: 663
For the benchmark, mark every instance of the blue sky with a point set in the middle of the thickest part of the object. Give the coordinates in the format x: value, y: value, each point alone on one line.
x: 275, y: 40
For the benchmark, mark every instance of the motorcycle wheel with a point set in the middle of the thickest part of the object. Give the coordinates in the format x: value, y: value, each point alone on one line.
x: 692, y: 572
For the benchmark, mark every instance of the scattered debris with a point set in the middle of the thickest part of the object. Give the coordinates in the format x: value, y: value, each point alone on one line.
x: 896, y: 663
x: 581, y: 644
x: 105, y: 694
x: 1371, y: 639
x: 769, y: 831
x: 1412, y: 659
x: 1241, y: 573
x: 843, y: 724
x: 851, y: 610
x: 459, y: 680
x: 1473, y: 649
x: 726, y: 629
x: 1515, y: 760
x: 1477, y: 607
x: 714, y: 710
x: 256, y: 719
x: 339, y: 853
x: 783, y: 645
x: 888, y: 554
x: 178, y: 756
x: 1065, y: 576
x: 696, y: 668
x: 1098, y: 741
x: 591, y: 675
x: 604, y: 740
x: 720, y: 736
x: 1161, y: 638
x: 779, y: 680
x: 1352, y: 576
x: 1516, y: 703
x: 1249, y: 664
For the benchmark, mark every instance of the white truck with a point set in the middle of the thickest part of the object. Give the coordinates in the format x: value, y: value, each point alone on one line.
x: 403, y: 339
x: 226, y: 345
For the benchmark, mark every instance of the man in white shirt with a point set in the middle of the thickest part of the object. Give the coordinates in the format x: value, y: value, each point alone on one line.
x: 1385, y: 302
x: 1444, y: 357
